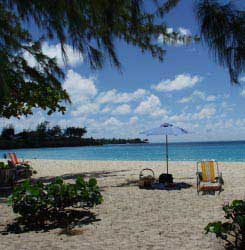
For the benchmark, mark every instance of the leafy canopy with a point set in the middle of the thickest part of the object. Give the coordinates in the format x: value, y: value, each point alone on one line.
x: 23, y: 87
x: 222, y: 28
x: 92, y: 27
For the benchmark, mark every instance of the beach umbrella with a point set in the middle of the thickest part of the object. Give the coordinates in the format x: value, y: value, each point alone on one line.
x: 166, y: 129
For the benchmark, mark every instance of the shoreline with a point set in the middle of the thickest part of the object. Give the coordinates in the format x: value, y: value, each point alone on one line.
x: 125, y: 161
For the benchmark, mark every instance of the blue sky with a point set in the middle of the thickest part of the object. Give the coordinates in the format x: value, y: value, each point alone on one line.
x: 188, y: 89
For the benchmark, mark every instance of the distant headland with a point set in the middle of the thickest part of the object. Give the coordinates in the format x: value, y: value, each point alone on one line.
x: 44, y: 136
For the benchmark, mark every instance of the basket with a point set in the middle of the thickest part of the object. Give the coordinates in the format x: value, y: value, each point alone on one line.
x: 146, y: 181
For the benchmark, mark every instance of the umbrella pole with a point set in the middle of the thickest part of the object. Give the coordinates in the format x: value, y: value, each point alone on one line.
x: 167, y: 152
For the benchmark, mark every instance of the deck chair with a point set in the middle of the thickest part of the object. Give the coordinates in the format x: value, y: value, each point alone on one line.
x: 22, y: 169
x: 207, y: 181
x: 15, y: 161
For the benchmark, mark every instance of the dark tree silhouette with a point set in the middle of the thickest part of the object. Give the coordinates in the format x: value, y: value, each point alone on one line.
x: 42, y: 129
x: 75, y: 132
x: 55, y: 131
x: 8, y: 132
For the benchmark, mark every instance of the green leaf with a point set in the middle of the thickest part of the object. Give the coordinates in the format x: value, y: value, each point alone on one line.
x: 92, y: 182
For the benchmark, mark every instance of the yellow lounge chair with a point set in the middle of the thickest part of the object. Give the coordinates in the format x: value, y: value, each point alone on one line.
x: 206, y: 179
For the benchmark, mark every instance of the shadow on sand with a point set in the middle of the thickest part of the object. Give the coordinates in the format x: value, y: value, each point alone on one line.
x: 93, y: 174
x: 66, y: 221
x: 174, y: 186
x: 156, y: 186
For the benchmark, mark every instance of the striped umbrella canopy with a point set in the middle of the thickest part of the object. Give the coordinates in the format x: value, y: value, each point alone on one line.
x: 166, y: 129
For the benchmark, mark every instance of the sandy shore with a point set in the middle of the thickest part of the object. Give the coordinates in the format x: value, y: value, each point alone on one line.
x: 132, y: 218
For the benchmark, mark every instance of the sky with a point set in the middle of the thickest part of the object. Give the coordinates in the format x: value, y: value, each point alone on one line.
x: 187, y: 89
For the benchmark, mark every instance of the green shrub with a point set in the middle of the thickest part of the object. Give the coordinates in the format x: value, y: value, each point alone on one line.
x: 233, y: 230
x: 4, y: 166
x: 43, y: 202
x: 24, y: 165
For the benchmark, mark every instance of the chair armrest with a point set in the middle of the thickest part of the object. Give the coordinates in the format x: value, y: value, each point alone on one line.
x: 198, y: 178
x: 221, y: 180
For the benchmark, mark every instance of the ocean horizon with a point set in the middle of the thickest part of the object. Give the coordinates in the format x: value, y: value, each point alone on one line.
x: 230, y: 151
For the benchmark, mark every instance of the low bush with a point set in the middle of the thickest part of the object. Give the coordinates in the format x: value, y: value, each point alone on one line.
x: 4, y: 165
x: 233, y: 230
x: 39, y: 202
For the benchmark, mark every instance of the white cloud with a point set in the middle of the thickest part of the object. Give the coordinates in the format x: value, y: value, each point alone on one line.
x: 162, y: 39
x: 226, y: 107
x: 170, y: 30
x: 184, y: 32
x: 180, y: 118
x: 139, y: 93
x: 205, y: 113
x: 112, y: 121
x: 242, y: 79
x: 29, y: 122
x: 211, y: 98
x: 29, y: 58
x: 180, y: 82
x: 122, y: 110
x: 240, y: 122
x: 161, y: 112
x: 107, y: 97
x: 85, y: 109
x: 73, y: 56
x: 200, y: 95
x: 54, y: 51
x: 79, y: 88
x: 243, y: 93
x: 151, y: 106
x: 133, y: 119
x: 186, y: 99
x: 106, y: 109
x: 113, y: 96
x: 73, y: 122
x: 189, y: 98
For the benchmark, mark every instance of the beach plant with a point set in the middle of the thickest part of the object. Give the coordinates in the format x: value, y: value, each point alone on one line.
x: 233, y: 230
x: 39, y: 202
x: 4, y: 165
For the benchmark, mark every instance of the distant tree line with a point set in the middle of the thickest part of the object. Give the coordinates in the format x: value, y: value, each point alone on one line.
x: 45, y: 136
x: 43, y: 131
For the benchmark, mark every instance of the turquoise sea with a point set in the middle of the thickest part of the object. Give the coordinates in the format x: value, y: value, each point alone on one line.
x: 195, y: 151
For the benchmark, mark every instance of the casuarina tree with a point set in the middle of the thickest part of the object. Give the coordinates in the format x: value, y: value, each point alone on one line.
x: 93, y: 27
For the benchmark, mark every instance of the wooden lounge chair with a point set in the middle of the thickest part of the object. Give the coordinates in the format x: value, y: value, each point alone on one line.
x: 7, y: 177
x: 22, y: 168
x: 207, y: 181
x: 15, y: 161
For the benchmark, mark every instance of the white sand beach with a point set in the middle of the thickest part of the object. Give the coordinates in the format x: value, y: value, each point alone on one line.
x: 133, y: 218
